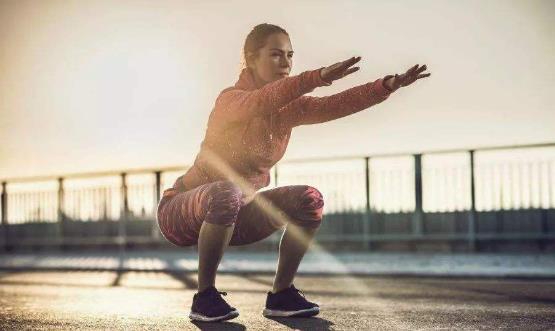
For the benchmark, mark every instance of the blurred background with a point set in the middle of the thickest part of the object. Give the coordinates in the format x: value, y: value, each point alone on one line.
x: 104, y: 104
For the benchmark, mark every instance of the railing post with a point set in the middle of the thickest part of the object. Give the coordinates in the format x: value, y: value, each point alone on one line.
x: 61, y: 212
x: 366, y: 228
x: 122, y: 237
x: 275, y: 245
x: 158, y: 175
x: 276, y: 175
x: 4, y: 198
x: 417, y: 216
x: 4, y: 231
x: 471, y: 235
x: 158, y: 192
x: 544, y: 211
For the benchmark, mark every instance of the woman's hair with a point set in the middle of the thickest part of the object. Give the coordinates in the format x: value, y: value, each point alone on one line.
x: 256, y: 39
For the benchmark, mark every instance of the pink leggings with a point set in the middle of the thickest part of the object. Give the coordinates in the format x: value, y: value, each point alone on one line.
x: 180, y: 215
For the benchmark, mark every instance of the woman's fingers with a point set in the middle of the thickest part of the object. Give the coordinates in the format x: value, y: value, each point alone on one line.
x: 350, y: 62
x: 340, y: 69
x: 419, y: 73
x: 350, y: 71
x: 411, y: 70
x: 410, y: 76
x: 416, y: 71
x: 355, y: 60
x: 421, y: 69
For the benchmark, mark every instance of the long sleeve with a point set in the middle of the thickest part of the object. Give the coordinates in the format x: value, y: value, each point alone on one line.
x: 312, y: 110
x: 236, y: 104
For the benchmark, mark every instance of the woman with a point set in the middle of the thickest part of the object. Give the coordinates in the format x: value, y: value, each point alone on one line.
x: 215, y: 203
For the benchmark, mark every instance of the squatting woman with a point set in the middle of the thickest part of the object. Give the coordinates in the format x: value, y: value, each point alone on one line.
x: 216, y: 203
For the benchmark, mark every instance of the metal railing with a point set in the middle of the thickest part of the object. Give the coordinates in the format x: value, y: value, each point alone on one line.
x: 367, y: 198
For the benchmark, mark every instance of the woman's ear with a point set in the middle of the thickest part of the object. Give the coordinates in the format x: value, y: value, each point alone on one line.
x: 249, y: 58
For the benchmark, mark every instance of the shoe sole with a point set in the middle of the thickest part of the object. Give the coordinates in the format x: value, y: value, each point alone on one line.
x: 202, y: 318
x: 291, y: 313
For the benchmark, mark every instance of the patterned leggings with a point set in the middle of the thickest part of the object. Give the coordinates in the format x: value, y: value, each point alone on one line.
x: 180, y: 214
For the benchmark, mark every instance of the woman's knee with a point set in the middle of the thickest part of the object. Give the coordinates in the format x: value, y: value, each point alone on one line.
x: 224, y: 203
x: 310, y: 208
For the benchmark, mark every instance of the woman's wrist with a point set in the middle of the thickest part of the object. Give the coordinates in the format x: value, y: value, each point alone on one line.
x: 388, y: 83
x: 322, y: 77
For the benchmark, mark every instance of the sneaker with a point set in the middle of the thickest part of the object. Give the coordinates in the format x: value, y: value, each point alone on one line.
x: 289, y: 302
x: 209, y: 306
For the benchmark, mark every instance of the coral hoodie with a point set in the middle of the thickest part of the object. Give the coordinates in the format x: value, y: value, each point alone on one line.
x: 249, y: 128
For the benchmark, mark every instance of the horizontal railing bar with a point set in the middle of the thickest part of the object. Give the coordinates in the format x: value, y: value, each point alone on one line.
x: 434, y: 236
x: 93, y: 174
x: 286, y: 161
x: 79, y: 241
x: 426, y: 152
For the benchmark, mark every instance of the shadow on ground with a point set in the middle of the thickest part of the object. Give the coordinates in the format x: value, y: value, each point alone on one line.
x: 303, y: 323
x: 227, y: 326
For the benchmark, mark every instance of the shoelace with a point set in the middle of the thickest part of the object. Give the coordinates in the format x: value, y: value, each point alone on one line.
x: 219, y: 298
x: 300, y: 298
x: 301, y: 292
x: 298, y: 291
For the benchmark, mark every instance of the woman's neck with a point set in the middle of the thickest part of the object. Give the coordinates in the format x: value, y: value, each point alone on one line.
x: 257, y: 80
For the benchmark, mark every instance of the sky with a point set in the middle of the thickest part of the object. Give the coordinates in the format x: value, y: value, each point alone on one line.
x: 108, y: 85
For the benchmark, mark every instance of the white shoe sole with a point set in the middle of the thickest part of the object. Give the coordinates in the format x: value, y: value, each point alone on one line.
x: 285, y: 313
x: 202, y: 318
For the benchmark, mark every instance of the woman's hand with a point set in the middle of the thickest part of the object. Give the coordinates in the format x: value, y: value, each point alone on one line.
x: 339, y: 69
x: 413, y: 74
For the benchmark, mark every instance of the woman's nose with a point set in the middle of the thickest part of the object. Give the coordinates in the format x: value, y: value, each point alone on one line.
x: 285, y: 62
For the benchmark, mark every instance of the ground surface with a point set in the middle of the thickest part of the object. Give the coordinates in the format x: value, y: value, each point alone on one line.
x: 161, y: 300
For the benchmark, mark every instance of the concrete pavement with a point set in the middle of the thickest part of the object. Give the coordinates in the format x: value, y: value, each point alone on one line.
x: 161, y: 300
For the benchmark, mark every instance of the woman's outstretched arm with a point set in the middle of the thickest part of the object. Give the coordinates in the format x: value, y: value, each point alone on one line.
x: 235, y: 105
x: 312, y: 110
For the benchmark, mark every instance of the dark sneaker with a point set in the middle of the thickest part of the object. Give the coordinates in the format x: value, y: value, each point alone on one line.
x: 290, y: 302
x: 209, y: 306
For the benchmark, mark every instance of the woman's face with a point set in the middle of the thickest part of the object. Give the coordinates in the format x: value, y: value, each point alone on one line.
x: 274, y: 60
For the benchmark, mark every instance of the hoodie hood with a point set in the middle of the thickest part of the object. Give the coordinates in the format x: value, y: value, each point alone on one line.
x: 246, y: 80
